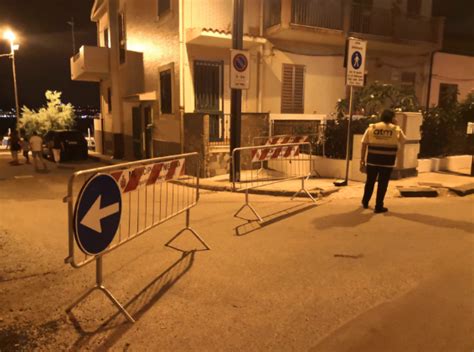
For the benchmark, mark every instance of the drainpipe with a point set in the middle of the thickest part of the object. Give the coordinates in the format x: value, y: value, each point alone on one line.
x: 429, y: 80
x: 260, y: 62
x: 182, y: 52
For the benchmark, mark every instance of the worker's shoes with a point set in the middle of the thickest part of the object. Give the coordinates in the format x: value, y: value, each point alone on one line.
x: 365, y: 205
x: 379, y: 210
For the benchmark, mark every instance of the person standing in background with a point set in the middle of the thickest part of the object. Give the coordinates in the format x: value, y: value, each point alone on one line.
x: 36, y: 145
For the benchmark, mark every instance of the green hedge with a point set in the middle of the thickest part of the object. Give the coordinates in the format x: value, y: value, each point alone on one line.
x: 443, y: 131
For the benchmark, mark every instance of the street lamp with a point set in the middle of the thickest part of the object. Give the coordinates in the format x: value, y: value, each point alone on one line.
x: 10, y: 36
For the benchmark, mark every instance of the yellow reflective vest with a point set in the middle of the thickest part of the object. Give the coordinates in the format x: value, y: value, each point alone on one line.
x: 382, y: 141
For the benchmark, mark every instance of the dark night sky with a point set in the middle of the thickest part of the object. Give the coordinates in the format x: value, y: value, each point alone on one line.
x: 46, y: 46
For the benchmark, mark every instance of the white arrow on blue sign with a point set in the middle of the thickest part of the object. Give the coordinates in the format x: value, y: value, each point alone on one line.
x: 97, y: 214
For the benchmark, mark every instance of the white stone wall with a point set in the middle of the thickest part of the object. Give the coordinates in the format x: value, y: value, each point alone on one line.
x: 452, y: 69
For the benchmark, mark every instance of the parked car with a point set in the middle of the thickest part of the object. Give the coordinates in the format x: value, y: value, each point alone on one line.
x: 72, y: 143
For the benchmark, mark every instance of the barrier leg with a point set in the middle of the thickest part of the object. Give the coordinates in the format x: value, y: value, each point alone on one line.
x: 190, y: 229
x: 247, y: 204
x: 304, y: 190
x: 101, y: 287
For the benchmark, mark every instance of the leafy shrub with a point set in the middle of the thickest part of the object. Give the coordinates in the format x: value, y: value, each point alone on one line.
x: 443, y: 131
x: 54, y: 116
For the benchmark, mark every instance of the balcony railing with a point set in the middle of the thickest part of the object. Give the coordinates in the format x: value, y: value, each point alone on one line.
x: 391, y: 23
x: 317, y: 13
x: 90, y: 64
x: 219, y: 129
x: 343, y: 16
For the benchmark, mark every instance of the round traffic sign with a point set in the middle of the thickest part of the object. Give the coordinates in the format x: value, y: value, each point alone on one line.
x: 240, y: 62
x: 97, y: 214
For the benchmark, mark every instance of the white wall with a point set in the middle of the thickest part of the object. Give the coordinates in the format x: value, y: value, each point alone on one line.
x: 324, y: 81
x: 452, y: 69
x: 217, y: 14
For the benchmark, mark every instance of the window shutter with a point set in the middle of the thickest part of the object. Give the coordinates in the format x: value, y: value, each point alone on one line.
x: 292, y: 91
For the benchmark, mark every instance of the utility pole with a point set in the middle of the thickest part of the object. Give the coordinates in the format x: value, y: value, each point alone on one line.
x: 73, y: 34
x: 236, y: 95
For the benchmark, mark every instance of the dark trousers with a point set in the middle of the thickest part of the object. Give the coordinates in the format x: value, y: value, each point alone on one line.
x: 383, y: 175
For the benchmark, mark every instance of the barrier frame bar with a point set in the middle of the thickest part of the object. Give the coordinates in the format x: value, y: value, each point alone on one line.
x: 98, y: 258
x: 272, y: 146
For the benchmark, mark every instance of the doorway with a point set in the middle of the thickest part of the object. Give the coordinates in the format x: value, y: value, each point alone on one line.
x: 142, y: 120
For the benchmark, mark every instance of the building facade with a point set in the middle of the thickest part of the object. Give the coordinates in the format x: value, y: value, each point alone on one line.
x: 452, y: 78
x: 158, y: 61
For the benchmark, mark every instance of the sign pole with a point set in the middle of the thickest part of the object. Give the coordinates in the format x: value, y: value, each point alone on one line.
x: 348, y: 143
x: 236, y: 95
x: 355, y: 59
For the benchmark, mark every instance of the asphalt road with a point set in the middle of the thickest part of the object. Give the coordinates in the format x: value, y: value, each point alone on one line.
x: 330, y: 277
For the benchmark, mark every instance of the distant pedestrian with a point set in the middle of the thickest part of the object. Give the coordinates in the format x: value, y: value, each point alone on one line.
x: 56, y: 148
x: 36, y: 145
x: 15, y: 147
x: 25, y: 146
x: 381, y: 141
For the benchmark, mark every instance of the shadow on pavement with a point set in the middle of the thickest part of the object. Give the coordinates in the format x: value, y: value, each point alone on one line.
x: 254, y: 225
x: 435, y: 221
x: 108, y: 333
x: 353, y: 218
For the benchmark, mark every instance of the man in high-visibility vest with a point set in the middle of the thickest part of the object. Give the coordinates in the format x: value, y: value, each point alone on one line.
x: 381, y: 141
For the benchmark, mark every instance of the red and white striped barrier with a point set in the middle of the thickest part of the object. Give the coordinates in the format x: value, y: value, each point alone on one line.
x: 286, y: 140
x: 131, y: 179
x: 262, y: 154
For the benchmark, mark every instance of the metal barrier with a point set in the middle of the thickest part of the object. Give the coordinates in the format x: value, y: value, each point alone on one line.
x: 151, y: 192
x: 268, y: 164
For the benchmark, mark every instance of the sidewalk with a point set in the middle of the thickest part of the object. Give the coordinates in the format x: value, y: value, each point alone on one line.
x: 425, y: 184
x: 439, y: 182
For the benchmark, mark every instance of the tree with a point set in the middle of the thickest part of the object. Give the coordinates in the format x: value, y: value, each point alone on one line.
x: 372, y: 99
x: 54, y: 116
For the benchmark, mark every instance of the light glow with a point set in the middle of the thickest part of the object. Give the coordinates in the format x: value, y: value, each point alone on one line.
x: 9, y: 35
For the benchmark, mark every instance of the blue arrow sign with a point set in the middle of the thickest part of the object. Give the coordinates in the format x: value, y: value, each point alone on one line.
x: 97, y: 214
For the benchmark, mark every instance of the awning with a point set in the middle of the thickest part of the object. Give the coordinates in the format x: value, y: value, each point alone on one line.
x: 145, y: 96
x: 219, y: 38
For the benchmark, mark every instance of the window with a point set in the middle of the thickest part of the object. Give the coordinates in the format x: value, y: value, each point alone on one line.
x: 164, y: 6
x: 208, y: 86
x: 414, y: 8
x: 448, y: 95
x: 122, y: 38
x: 408, y: 78
x: 106, y: 38
x: 272, y: 12
x: 292, y: 89
x: 109, y: 99
x: 165, y: 92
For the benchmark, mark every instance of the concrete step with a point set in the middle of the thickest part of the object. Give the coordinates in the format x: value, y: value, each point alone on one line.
x: 463, y: 190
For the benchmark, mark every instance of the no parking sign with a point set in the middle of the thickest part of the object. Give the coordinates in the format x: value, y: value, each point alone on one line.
x: 239, y: 69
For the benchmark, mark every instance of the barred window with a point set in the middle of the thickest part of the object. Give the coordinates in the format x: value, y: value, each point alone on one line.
x: 292, y: 89
x: 208, y: 86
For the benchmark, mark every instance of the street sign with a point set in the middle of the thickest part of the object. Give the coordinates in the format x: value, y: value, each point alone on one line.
x: 239, y: 69
x: 356, y: 62
x: 97, y: 214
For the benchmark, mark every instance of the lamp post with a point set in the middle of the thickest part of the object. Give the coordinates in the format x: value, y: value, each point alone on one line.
x: 10, y: 36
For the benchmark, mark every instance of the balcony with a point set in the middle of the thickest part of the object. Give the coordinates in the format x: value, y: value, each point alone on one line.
x: 90, y: 64
x: 397, y: 26
x: 328, y: 22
